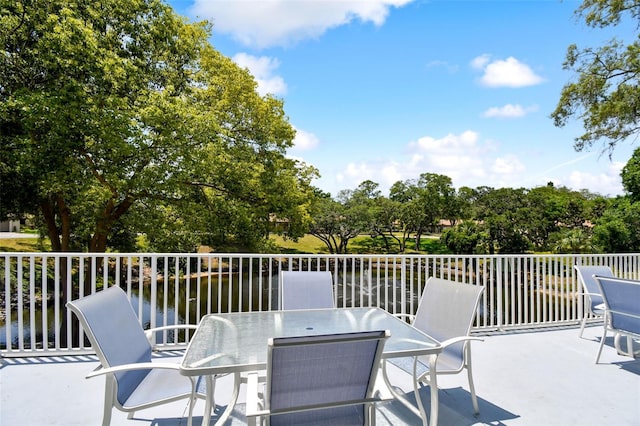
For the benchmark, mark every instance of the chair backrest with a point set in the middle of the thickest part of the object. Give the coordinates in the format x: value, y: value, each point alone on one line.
x: 446, y: 310
x: 589, y: 285
x: 306, y: 290
x: 325, y: 378
x: 112, y: 327
x: 622, y: 301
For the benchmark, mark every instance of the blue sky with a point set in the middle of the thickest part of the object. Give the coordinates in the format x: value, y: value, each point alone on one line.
x: 388, y: 89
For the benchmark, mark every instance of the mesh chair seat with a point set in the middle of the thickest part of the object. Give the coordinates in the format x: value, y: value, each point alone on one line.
x: 594, y: 303
x: 447, y: 363
x: 161, y: 384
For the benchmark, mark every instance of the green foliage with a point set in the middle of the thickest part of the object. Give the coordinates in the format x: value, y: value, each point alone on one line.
x: 606, y: 94
x: 631, y: 176
x: 480, y: 220
x: 618, y: 230
x: 465, y: 238
x: 335, y: 223
x: 575, y: 240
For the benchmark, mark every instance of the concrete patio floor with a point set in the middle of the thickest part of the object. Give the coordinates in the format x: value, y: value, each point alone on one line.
x: 543, y: 377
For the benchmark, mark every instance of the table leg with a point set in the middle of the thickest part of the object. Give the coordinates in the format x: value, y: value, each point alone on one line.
x: 416, y: 391
x: 433, y: 383
x: 419, y: 410
x: 209, y: 405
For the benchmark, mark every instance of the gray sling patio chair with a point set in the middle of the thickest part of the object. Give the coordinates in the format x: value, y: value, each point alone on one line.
x: 622, y: 311
x: 319, y: 380
x: 132, y: 381
x: 306, y: 290
x: 446, y: 312
x: 593, y: 302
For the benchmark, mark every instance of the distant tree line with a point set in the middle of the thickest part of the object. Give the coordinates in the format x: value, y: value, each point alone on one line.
x: 483, y: 219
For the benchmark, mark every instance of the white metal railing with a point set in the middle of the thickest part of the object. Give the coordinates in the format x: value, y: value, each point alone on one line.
x: 522, y: 291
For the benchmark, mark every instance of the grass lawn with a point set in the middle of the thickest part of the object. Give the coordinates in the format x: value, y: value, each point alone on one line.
x: 363, y: 244
x: 306, y: 244
x: 23, y: 245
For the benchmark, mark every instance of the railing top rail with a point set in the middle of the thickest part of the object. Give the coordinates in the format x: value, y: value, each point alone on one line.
x: 314, y: 255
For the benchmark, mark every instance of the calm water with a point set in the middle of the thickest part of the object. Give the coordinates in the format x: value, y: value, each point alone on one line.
x: 231, y: 294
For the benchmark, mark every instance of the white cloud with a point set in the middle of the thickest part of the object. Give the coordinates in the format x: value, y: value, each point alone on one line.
x: 509, y: 111
x: 505, y: 73
x: 606, y: 183
x: 262, y: 69
x: 575, y: 174
x: 355, y: 172
x: 480, y: 62
x: 472, y: 161
x: 507, y: 165
x: 429, y: 144
x: 265, y: 23
x: 305, y: 141
x: 464, y: 157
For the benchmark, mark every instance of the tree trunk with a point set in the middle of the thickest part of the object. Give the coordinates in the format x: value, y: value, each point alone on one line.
x: 109, y: 216
x: 60, y: 237
x: 48, y: 209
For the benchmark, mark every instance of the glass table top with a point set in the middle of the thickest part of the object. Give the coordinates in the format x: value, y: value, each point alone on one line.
x: 236, y: 342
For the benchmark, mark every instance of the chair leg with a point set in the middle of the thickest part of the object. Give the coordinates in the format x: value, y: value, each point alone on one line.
x: 109, y: 395
x: 472, y: 389
x: 584, y: 322
x: 192, y: 401
x: 604, y: 336
x: 416, y: 388
x: 106, y: 416
x: 370, y: 412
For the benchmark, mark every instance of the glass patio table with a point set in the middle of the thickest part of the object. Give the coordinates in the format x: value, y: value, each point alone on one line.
x: 237, y: 342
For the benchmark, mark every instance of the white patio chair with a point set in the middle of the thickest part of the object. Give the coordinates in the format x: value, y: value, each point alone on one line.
x: 622, y: 311
x: 446, y: 312
x: 593, y: 303
x: 319, y: 380
x: 133, y: 382
x: 306, y: 290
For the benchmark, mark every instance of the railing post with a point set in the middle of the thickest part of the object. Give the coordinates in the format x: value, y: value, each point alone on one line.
x: 499, y: 293
x: 154, y: 291
x: 403, y: 285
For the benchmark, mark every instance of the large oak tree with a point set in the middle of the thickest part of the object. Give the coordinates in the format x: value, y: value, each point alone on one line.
x: 122, y: 109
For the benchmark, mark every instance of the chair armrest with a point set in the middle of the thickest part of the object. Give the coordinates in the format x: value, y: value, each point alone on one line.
x: 583, y: 293
x: 253, y: 406
x: 128, y: 367
x: 151, y: 331
x: 455, y: 340
x: 410, y: 317
x: 172, y: 327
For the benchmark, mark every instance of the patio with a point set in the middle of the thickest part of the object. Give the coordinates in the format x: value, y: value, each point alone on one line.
x: 541, y: 377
